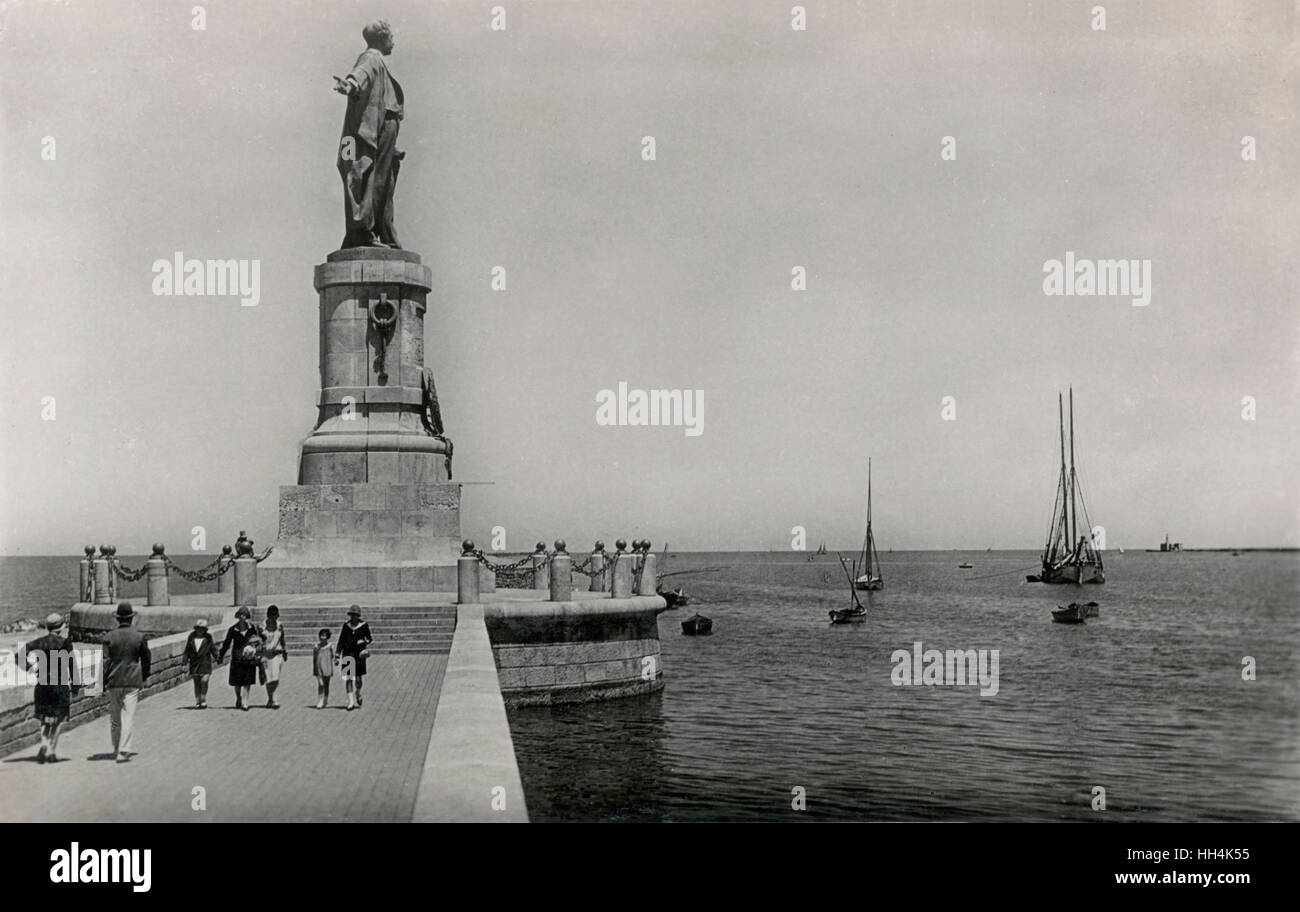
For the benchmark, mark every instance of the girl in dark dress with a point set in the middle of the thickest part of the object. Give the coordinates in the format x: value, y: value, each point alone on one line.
x: 242, y: 638
x: 199, y: 649
x: 353, y: 642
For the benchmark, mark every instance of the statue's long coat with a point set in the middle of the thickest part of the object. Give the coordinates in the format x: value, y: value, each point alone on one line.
x: 368, y: 163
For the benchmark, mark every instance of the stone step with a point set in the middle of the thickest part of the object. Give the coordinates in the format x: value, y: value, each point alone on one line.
x: 312, y: 629
x: 412, y: 646
x: 432, y: 611
x: 333, y: 623
x: 315, y: 624
x: 384, y: 638
x: 396, y: 629
x: 299, y: 645
x: 403, y: 650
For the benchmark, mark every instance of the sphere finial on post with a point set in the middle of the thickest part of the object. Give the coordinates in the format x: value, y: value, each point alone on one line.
x: 226, y: 577
x: 596, y: 568
x: 561, y: 574
x: 156, y: 585
x: 86, y: 576
x: 467, y: 590
x: 541, y: 568
x: 102, y: 572
x: 244, y: 572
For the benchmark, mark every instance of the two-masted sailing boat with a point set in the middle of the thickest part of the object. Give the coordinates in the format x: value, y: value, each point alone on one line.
x: 868, y: 560
x: 1069, y: 557
x: 856, y: 610
x: 865, y: 572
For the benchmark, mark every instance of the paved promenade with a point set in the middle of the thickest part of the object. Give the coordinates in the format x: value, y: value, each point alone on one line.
x: 296, y: 763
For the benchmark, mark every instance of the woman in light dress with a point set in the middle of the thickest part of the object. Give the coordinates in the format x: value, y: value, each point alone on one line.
x: 275, y: 654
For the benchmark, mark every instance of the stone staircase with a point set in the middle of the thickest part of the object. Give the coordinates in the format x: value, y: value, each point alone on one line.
x: 406, y: 629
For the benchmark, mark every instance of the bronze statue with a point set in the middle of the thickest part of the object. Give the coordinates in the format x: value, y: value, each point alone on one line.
x: 368, y: 160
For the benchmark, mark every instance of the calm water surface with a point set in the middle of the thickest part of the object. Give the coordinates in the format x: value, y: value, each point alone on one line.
x: 1146, y: 701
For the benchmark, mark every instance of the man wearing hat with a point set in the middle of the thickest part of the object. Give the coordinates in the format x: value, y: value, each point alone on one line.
x: 57, y: 678
x: 126, y: 668
x: 199, y: 649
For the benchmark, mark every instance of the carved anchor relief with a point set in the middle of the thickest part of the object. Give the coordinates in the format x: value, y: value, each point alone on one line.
x: 383, y: 317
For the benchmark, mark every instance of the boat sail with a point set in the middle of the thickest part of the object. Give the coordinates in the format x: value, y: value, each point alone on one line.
x: 1069, y: 557
x: 868, y: 560
x: 856, y: 610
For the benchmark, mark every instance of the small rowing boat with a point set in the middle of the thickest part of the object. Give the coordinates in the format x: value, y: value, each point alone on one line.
x: 697, y: 625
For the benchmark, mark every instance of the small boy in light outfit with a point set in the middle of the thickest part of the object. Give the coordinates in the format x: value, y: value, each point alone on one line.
x: 323, y: 661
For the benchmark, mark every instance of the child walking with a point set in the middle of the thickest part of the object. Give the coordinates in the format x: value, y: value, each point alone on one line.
x: 322, y: 663
x: 199, y: 650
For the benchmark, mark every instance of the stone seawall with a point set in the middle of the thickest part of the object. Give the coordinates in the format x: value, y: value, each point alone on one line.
x: 470, y: 774
x: 577, y: 651
x: 90, y: 623
x: 19, y: 727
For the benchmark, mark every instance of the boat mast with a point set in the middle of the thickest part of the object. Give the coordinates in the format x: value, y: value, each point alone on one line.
x: 1074, y: 481
x: 871, y: 545
x: 1065, y: 519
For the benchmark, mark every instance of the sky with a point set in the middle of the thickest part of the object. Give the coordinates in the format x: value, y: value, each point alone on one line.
x: 774, y: 148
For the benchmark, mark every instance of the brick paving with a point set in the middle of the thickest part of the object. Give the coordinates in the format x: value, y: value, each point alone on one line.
x: 296, y: 763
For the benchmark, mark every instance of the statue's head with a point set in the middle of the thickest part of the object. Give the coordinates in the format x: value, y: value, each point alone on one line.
x: 379, y: 35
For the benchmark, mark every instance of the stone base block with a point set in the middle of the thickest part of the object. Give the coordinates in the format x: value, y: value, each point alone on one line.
x: 371, y: 522
x: 285, y: 577
x: 91, y: 622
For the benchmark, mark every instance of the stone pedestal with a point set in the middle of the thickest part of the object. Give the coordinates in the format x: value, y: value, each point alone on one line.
x: 374, y: 508
x: 369, y: 426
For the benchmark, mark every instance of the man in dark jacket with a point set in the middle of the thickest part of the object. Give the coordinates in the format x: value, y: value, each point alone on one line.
x: 199, y: 650
x: 57, y: 680
x: 126, y: 668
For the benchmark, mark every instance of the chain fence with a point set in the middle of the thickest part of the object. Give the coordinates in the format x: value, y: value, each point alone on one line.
x: 522, y: 574
x: 205, y: 574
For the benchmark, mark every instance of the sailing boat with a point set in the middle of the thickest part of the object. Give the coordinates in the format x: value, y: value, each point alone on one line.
x: 856, y: 610
x: 674, y: 599
x: 1068, y: 556
x: 869, y: 560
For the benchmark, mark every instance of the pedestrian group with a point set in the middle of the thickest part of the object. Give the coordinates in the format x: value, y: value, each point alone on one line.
x: 258, y: 654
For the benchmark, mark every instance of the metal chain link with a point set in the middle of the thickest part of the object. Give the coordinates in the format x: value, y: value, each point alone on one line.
x: 129, y: 576
x: 500, y: 568
x: 204, y: 574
